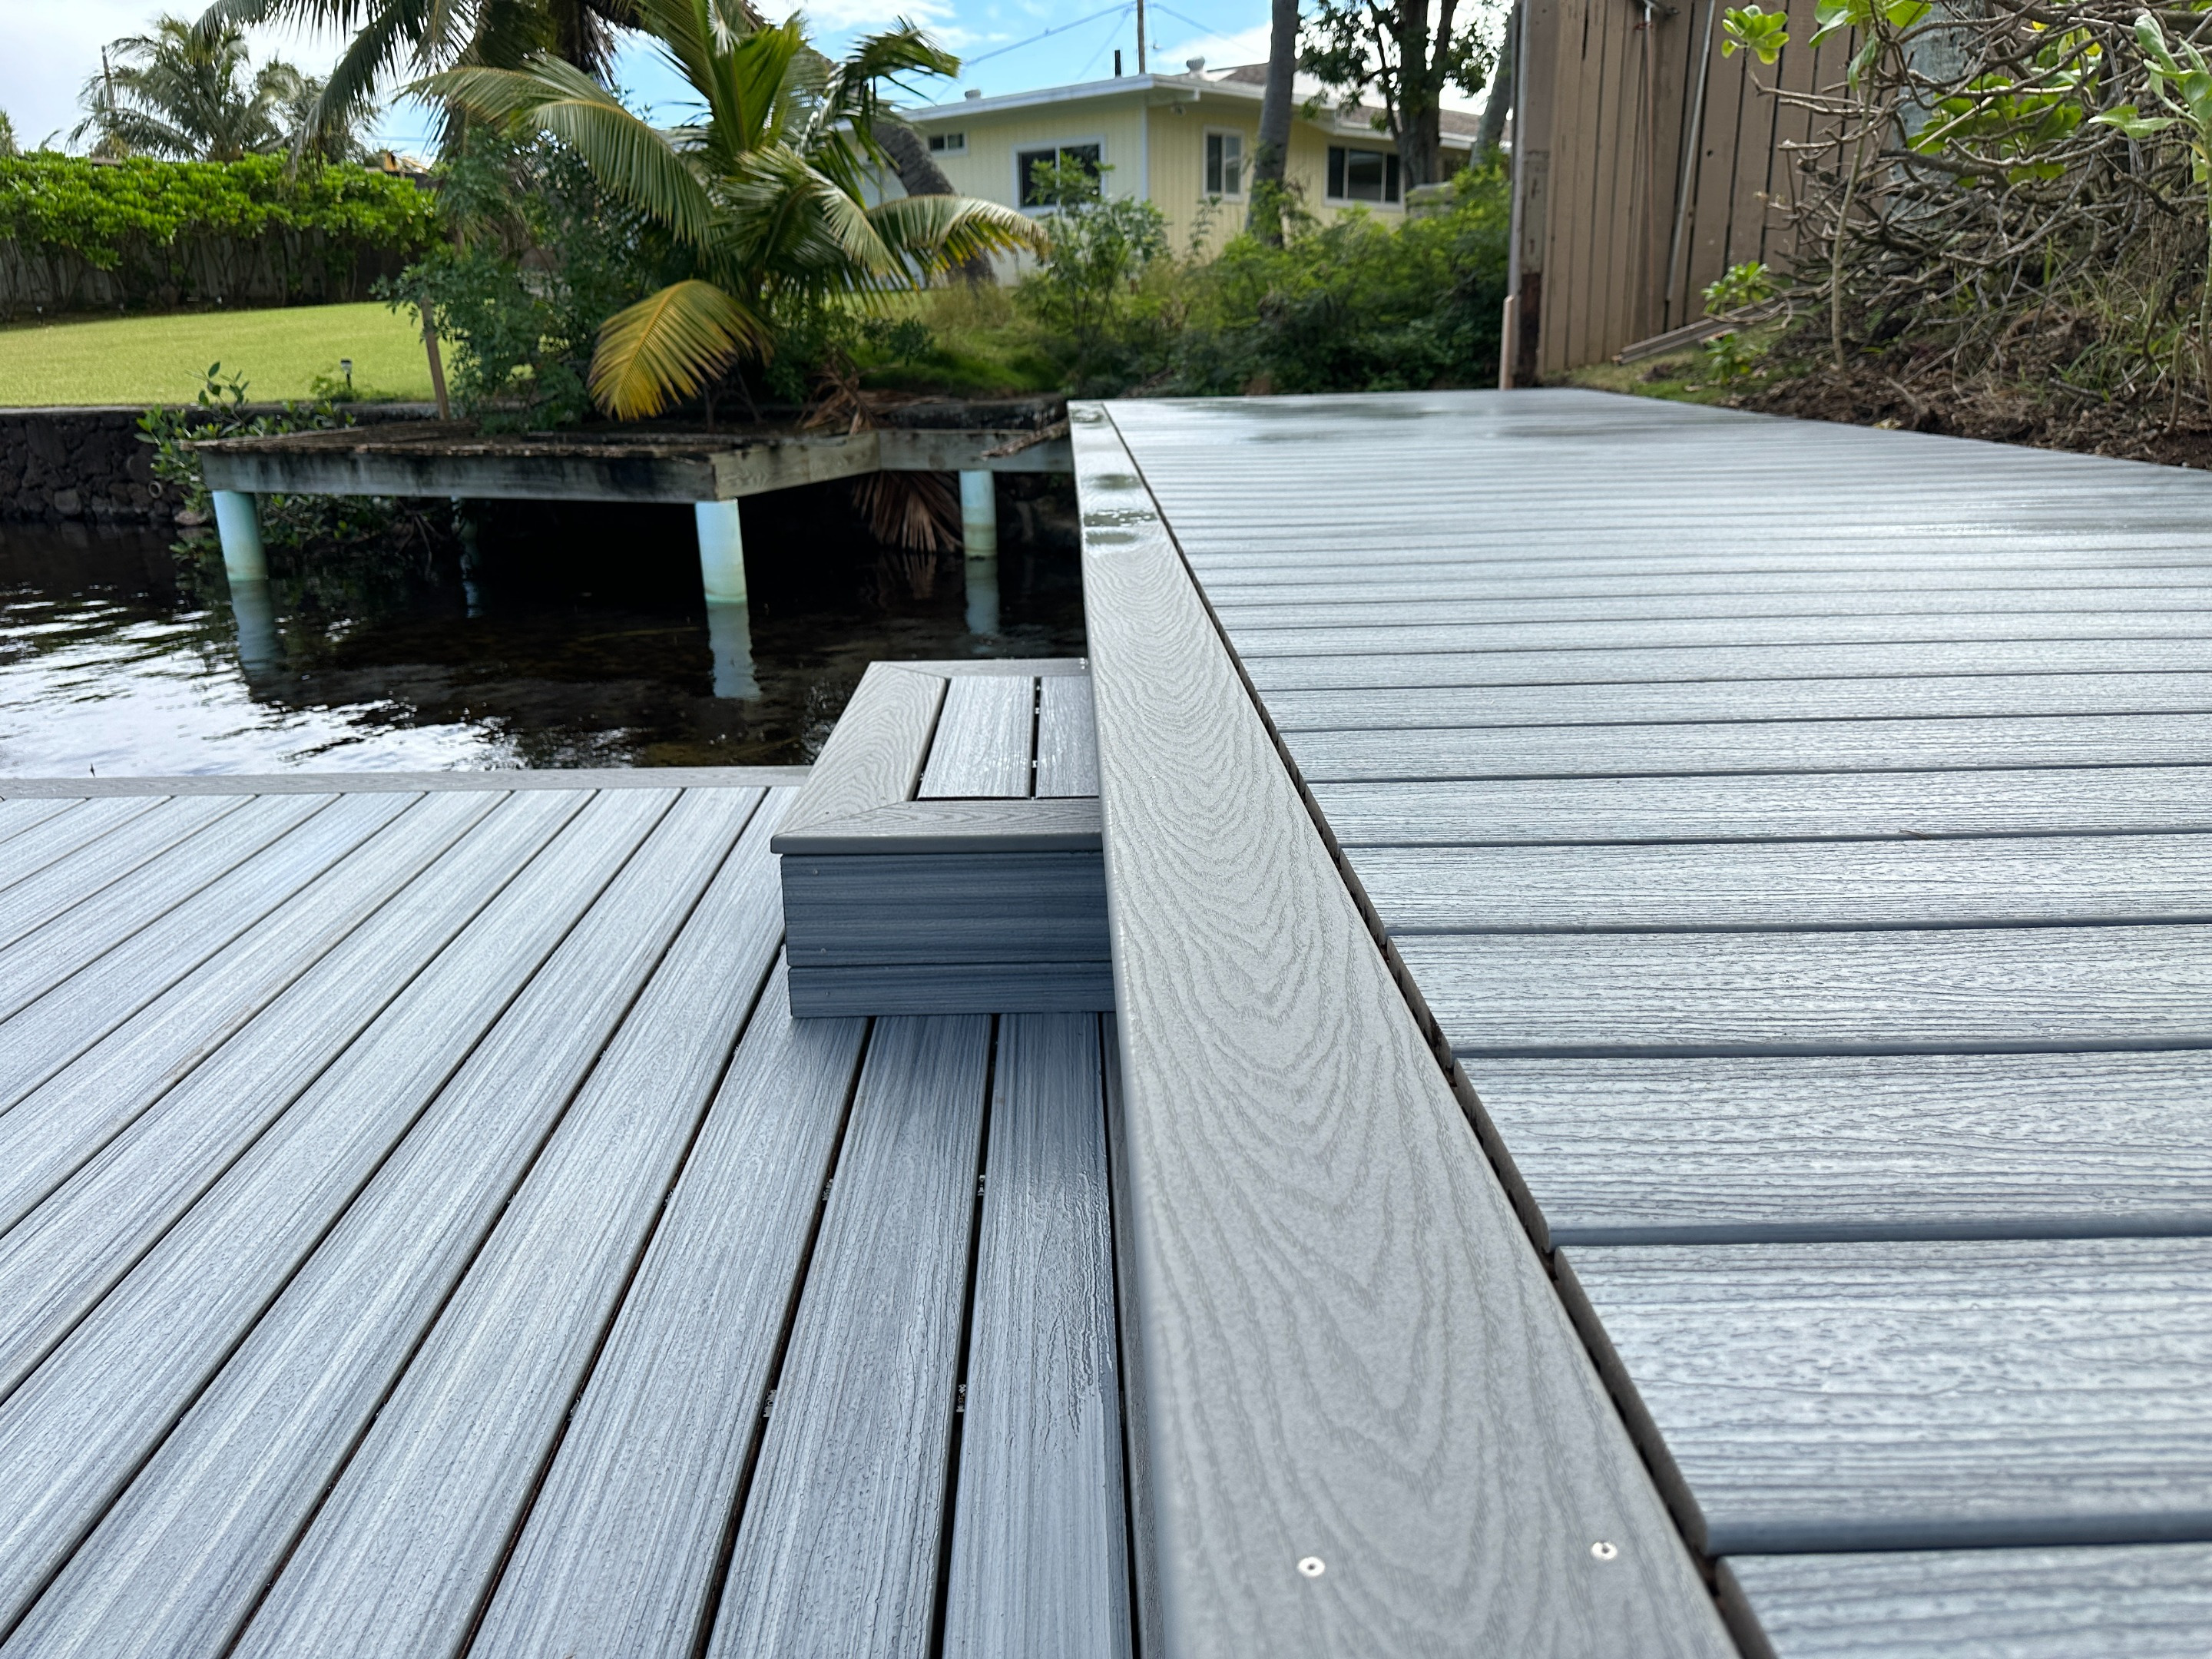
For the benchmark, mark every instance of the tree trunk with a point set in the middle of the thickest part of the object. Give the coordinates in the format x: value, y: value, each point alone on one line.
x: 1421, y: 123
x: 1492, y: 132
x: 1265, y: 220
x: 920, y: 176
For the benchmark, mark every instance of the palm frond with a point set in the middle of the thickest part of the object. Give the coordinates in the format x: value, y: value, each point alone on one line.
x: 667, y: 345
x: 941, y: 232
x: 628, y: 156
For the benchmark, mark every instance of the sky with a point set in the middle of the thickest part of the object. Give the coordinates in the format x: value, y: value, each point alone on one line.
x: 54, y: 48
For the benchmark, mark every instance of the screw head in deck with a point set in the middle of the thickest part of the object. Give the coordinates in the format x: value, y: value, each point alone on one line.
x: 1604, y: 1551
x: 1312, y: 1567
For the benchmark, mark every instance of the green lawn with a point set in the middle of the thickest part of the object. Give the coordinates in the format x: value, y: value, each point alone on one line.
x: 148, y: 359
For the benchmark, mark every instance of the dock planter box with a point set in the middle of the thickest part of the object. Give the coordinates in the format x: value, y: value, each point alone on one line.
x: 945, y: 856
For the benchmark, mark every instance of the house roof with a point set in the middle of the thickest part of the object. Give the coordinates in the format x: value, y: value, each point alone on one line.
x: 1459, y: 129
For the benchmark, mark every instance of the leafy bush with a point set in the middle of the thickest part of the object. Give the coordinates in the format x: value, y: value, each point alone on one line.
x: 170, y: 231
x: 1082, y: 295
x: 1359, y: 305
x: 539, y: 259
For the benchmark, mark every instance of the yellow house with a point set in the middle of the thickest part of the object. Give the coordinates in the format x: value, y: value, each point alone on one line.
x: 1183, y: 141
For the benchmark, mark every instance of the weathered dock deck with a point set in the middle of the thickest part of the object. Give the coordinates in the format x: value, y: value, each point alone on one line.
x: 1656, y: 1105
x: 1794, y: 834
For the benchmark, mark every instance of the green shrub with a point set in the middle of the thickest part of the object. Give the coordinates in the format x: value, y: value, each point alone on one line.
x: 166, y: 232
x: 540, y: 257
x: 1359, y: 305
x: 1082, y: 295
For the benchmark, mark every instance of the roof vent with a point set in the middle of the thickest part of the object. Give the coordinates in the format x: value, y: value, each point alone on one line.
x: 1194, y: 65
x: 973, y: 92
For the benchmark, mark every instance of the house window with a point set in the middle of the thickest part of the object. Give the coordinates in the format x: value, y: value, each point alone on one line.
x: 1362, y: 175
x: 1031, y: 190
x: 1225, y: 164
x: 948, y: 144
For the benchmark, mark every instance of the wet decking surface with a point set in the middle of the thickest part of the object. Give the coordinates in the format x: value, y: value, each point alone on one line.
x: 1796, y: 834
x: 424, y: 1229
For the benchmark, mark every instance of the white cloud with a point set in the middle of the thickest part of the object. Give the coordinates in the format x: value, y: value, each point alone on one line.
x: 53, y: 49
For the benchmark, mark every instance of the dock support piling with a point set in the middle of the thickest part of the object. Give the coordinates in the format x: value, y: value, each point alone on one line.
x: 261, y: 652
x: 721, y: 552
x: 238, y: 526
x: 979, y: 515
x: 982, y: 596
x: 730, y: 632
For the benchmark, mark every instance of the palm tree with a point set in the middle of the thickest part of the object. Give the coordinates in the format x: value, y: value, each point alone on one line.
x: 765, y: 192
x: 183, y: 92
x: 417, y: 37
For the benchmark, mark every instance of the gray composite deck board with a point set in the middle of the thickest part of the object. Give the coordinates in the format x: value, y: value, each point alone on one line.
x: 2117, y: 1602
x: 1847, y: 805
x: 1790, y: 1149
x: 18, y: 816
x: 69, y: 881
x: 1689, y: 668
x: 500, y: 779
x: 2084, y: 625
x: 1559, y: 559
x: 623, y: 1544
x: 954, y: 826
x: 174, y: 896
x: 399, y: 1555
x: 86, y: 821
x: 1689, y: 751
x: 983, y: 744
x: 1047, y: 987
x: 43, y: 1034
x: 1297, y: 1408
x: 1393, y: 604
x: 1067, y: 738
x: 1326, y: 598
x: 1935, y: 991
x: 212, y: 1090
x: 1015, y: 907
x: 1903, y: 697
x: 839, y: 1546
x: 111, y: 1380
x: 1919, y: 1395
x: 2023, y: 881
x: 875, y: 753
x: 1039, y: 1555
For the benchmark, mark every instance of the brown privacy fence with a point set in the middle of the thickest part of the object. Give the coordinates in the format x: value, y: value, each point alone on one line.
x: 1632, y: 190
x: 288, y: 268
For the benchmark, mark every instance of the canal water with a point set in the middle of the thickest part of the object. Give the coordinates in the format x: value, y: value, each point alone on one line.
x: 571, y: 636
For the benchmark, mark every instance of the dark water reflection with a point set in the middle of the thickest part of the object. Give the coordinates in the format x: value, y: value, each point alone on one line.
x: 576, y: 637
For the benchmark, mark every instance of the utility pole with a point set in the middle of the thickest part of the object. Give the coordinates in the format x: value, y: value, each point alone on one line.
x: 1140, y: 36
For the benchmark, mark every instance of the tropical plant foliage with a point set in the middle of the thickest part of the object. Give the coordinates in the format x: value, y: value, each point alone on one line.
x: 536, y: 258
x: 166, y: 232
x: 1086, y: 287
x: 414, y: 38
x: 188, y: 93
x: 764, y: 192
x: 2012, y: 189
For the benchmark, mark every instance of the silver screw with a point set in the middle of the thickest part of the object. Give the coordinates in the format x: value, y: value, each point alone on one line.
x: 1603, y: 1550
x: 1312, y: 1565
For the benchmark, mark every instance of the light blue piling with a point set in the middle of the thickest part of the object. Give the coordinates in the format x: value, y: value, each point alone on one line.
x: 979, y: 516
x: 982, y: 596
x: 238, y: 525
x: 730, y: 632
x: 721, y: 552
x: 259, y: 651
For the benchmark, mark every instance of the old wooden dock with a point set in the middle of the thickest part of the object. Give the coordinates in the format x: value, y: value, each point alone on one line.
x: 1655, y: 1105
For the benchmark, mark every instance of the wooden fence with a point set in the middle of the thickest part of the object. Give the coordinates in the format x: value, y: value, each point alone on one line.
x: 1632, y: 191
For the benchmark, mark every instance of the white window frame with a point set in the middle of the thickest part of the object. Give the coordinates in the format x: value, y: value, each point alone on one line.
x: 1037, y: 147
x: 1243, y: 164
x: 948, y: 144
x: 1351, y: 149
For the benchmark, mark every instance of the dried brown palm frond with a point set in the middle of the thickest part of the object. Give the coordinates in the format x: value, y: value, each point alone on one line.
x: 915, y: 512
